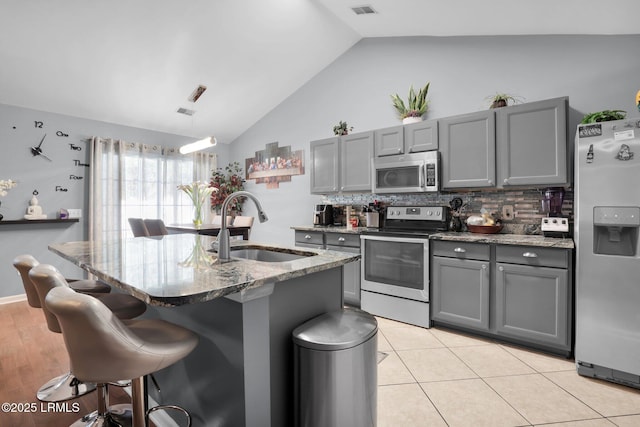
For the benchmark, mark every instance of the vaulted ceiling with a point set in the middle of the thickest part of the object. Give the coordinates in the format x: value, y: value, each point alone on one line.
x: 137, y: 62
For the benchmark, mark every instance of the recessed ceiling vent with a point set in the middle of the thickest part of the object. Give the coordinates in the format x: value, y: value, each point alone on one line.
x: 186, y: 111
x: 197, y: 93
x: 363, y: 10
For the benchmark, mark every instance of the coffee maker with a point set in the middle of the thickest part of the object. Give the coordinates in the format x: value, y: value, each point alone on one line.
x: 323, y: 215
x: 554, y: 225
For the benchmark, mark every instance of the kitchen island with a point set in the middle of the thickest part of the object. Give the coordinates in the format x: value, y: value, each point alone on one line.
x: 241, y: 373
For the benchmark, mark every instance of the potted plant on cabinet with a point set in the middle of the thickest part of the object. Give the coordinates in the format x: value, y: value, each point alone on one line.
x: 342, y: 128
x: 503, y: 99
x: 416, y: 106
x: 604, y: 116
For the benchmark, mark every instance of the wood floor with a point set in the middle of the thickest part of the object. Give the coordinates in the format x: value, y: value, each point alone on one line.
x: 31, y: 355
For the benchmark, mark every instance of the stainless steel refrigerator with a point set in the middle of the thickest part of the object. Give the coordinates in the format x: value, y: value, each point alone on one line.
x: 607, y: 201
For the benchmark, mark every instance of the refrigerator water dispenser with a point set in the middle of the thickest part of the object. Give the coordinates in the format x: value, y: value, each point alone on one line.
x: 615, y: 230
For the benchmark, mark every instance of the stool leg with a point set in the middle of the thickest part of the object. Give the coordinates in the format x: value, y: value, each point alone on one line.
x: 63, y: 388
x: 138, y: 398
x: 105, y: 415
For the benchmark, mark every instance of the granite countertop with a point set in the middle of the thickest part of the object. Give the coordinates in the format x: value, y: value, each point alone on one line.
x: 178, y: 269
x: 499, y: 238
x: 507, y: 239
x: 331, y: 228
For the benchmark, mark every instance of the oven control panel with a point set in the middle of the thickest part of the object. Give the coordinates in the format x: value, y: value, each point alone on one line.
x: 417, y: 213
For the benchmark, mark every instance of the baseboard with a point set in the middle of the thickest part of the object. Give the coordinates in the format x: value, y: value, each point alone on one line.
x: 13, y: 298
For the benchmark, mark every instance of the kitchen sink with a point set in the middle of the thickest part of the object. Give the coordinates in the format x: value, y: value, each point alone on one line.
x: 269, y: 255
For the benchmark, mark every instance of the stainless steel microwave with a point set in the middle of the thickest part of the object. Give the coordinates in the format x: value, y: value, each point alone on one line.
x: 410, y: 173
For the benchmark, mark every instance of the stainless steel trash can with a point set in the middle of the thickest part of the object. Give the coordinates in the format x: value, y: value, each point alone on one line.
x: 335, y: 366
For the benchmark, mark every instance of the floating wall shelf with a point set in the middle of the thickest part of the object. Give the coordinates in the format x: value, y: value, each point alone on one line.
x: 38, y: 221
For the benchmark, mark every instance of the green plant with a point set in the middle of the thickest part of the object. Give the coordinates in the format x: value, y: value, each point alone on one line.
x: 342, y: 128
x: 416, y: 106
x: 604, y: 116
x: 228, y: 181
x: 503, y: 99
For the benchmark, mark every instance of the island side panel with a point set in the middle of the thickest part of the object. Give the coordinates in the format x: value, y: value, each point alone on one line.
x: 211, y: 382
x: 292, y: 303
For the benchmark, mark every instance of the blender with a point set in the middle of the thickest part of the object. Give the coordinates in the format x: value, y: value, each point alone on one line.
x: 554, y: 224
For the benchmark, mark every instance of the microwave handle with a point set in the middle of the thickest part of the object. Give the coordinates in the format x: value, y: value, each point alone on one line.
x: 423, y: 176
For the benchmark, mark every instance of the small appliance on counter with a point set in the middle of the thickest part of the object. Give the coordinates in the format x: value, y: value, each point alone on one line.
x: 554, y: 225
x: 323, y: 215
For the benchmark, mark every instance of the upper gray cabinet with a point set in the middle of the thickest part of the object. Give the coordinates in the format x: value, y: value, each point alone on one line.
x: 406, y: 139
x: 532, y: 143
x: 356, y: 152
x: 521, y: 145
x: 468, y: 150
x: 421, y: 136
x: 325, y: 165
x: 342, y: 163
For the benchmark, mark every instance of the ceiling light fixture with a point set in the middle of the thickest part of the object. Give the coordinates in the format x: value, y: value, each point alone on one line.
x: 198, y: 145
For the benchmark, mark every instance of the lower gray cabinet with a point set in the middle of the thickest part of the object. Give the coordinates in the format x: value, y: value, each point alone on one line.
x: 533, y: 297
x: 460, y: 292
x: 522, y: 294
x: 345, y: 242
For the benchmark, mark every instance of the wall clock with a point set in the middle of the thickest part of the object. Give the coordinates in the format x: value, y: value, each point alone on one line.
x: 37, y: 150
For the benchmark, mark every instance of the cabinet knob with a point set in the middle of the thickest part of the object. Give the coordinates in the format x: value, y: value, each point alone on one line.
x: 530, y: 255
x: 307, y: 236
x: 460, y: 250
x: 341, y: 239
x: 484, y: 266
x: 506, y: 181
x: 490, y: 182
x: 399, y: 150
x: 501, y: 268
x: 342, y: 188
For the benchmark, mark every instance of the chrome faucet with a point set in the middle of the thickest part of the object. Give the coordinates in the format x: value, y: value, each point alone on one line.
x: 223, y: 236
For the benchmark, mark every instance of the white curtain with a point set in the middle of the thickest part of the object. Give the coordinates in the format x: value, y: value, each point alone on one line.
x: 131, y: 180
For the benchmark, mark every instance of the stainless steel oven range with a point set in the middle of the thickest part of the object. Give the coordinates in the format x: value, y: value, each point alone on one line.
x: 395, y: 263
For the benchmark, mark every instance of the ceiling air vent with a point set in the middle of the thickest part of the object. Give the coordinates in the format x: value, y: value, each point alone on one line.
x: 363, y: 10
x: 186, y: 111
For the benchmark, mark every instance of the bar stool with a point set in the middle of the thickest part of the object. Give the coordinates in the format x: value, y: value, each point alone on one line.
x: 103, y: 349
x: 24, y: 263
x: 67, y: 386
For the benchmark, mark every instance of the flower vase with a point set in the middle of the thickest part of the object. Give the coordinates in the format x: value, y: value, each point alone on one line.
x: 197, y: 220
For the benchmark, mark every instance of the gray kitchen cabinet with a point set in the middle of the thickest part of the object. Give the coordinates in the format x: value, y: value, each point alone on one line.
x: 389, y: 141
x: 406, y: 139
x: 336, y: 241
x: 356, y: 152
x: 309, y: 239
x: 533, y: 295
x: 347, y: 242
x: 421, y: 136
x: 522, y: 294
x: 460, y: 284
x: 531, y: 141
x: 342, y: 163
x: 468, y: 150
x: 325, y: 172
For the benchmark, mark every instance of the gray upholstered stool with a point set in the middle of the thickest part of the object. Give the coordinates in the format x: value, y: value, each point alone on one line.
x: 67, y: 386
x: 104, y: 349
x: 24, y: 263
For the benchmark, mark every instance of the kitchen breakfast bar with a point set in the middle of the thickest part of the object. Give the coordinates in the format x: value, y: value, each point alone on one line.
x: 241, y: 373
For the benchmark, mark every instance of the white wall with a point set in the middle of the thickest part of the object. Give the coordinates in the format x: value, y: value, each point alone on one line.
x: 596, y: 72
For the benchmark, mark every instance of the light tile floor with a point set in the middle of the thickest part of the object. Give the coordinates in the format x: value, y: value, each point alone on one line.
x: 436, y: 377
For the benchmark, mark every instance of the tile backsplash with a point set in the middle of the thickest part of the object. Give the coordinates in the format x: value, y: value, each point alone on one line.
x: 526, y: 204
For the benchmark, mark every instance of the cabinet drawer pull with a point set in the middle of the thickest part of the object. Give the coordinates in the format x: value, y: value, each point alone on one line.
x: 460, y: 250
x: 530, y: 255
x: 341, y: 239
x: 307, y: 236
